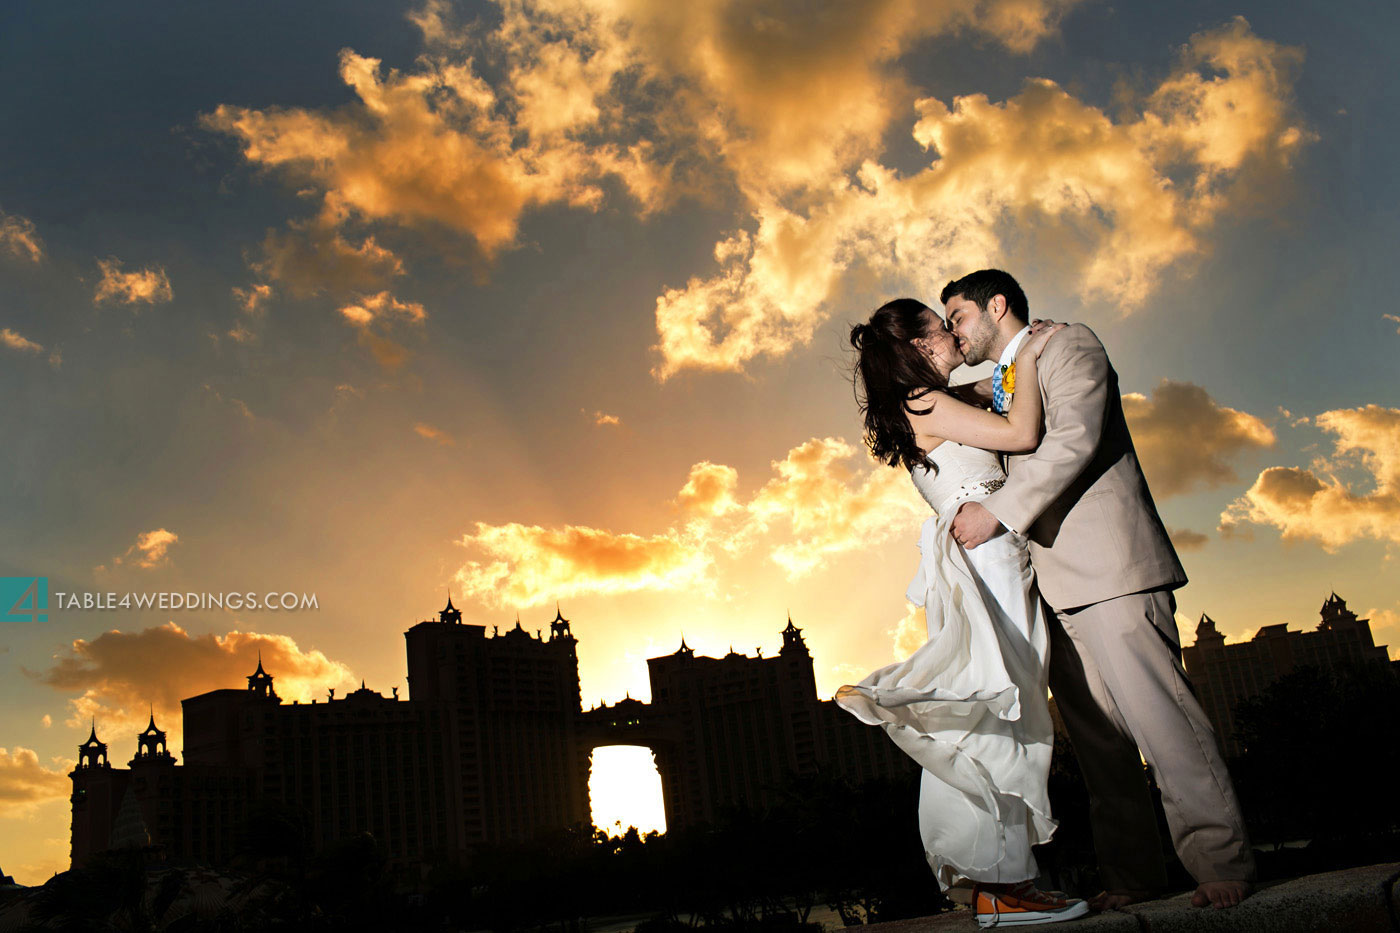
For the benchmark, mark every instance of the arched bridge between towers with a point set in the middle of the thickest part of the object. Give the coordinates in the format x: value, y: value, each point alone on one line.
x: 627, y: 722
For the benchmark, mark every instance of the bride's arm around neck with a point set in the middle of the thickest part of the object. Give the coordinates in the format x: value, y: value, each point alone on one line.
x: 939, y: 415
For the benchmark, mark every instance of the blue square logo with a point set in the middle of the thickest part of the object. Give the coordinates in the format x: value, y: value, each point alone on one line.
x: 24, y: 599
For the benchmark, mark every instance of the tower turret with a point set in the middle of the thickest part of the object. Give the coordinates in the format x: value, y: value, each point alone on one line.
x: 793, y: 641
x: 260, y: 682
x: 92, y: 753
x: 150, y: 744
x: 1335, y: 611
x: 559, y: 628
x: 450, y: 613
x: 1207, y: 633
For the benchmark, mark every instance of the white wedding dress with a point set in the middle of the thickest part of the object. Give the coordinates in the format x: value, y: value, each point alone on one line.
x: 970, y: 705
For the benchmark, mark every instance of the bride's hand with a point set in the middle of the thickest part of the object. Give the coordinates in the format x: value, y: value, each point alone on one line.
x: 1041, y: 332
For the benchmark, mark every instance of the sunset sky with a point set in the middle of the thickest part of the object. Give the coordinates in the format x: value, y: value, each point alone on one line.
x: 548, y: 301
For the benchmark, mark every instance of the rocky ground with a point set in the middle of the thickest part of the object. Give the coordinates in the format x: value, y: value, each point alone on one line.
x: 1357, y: 900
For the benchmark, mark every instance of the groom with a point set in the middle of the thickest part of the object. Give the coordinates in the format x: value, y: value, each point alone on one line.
x: 1106, y: 566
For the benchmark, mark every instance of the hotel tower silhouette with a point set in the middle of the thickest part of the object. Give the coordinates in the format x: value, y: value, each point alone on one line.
x: 492, y: 745
x: 1226, y: 674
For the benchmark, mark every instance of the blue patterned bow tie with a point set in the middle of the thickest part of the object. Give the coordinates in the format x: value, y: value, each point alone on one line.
x: 1001, y: 400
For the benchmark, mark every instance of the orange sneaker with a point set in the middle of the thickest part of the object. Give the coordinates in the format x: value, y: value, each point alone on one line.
x: 1023, y: 904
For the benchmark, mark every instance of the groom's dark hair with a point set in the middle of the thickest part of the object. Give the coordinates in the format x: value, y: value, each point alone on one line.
x: 981, y: 286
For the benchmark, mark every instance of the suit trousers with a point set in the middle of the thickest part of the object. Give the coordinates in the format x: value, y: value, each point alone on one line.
x: 1119, y: 685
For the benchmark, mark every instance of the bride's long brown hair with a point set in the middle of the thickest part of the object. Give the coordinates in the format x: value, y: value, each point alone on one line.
x: 892, y: 375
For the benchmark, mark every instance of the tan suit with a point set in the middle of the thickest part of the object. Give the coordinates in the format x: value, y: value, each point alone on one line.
x: 1105, y: 564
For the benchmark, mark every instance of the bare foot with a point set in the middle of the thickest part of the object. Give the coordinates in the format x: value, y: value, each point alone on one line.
x: 1221, y: 894
x: 1112, y: 900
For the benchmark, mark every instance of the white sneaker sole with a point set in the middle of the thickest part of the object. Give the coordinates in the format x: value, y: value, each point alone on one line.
x: 1022, y: 918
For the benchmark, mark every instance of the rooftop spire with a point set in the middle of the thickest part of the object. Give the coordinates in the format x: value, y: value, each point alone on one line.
x: 260, y: 681
x: 450, y: 613
x: 93, y: 752
x: 792, y: 639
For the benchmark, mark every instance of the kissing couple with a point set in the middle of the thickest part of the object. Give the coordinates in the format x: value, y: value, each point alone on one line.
x: 1048, y: 568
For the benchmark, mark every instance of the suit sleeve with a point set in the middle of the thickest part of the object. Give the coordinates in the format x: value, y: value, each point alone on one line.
x: 1074, y: 375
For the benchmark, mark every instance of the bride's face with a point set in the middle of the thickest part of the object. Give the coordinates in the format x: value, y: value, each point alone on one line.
x: 941, y: 348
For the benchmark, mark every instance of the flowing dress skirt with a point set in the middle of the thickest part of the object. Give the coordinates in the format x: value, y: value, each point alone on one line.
x: 970, y: 707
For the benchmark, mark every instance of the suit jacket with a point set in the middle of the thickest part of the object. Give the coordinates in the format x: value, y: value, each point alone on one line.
x: 1080, y: 497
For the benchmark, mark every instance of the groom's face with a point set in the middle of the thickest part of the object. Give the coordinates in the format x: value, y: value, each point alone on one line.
x: 973, y: 327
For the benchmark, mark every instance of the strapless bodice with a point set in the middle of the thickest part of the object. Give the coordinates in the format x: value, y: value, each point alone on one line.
x: 956, y: 473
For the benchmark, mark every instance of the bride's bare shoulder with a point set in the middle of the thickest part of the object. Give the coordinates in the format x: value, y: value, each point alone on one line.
x: 922, y: 402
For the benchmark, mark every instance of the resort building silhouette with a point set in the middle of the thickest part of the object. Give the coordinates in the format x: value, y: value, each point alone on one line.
x: 491, y: 745
x: 1226, y: 674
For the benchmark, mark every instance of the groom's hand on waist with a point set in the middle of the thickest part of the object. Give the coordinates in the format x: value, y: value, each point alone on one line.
x: 974, y: 525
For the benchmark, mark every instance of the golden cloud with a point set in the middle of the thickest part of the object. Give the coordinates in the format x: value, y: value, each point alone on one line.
x: 785, y: 98
x: 1187, y: 540
x: 817, y: 507
x: 19, y: 238
x: 659, y: 97
x: 121, y: 676
x: 791, y: 109
x: 25, y: 782
x: 151, y: 548
x: 1224, y: 106
x: 381, y: 307
x: 602, y: 418
x: 1123, y: 200
x: 422, y: 149
x: 15, y: 341
x: 709, y: 490
x: 312, y: 257
x: 1313, y: 504
x: 830, y: 507
x: 436, y: 20
x: 253, y: 299
x: 147, y: 286
x: 1184, y: 438
x: 1394, y: 319
x: 433, y: 434
x: 373, y: 314
x: 528, y: 564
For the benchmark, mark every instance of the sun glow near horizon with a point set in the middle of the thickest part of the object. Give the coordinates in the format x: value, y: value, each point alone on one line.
x: 624, y: 788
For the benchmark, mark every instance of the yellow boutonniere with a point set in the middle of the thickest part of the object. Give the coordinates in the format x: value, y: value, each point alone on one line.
x: 1008, y: 379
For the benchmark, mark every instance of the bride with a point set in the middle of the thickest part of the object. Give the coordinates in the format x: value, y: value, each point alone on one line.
x: 970, y: 705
